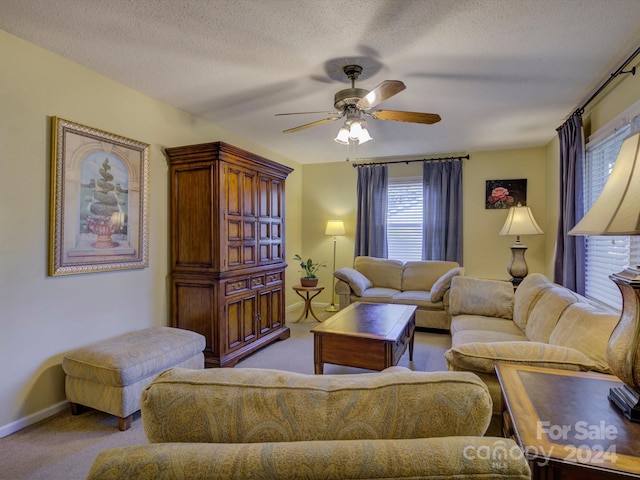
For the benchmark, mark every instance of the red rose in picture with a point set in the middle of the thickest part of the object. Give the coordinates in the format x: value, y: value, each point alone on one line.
x: 500, y: 193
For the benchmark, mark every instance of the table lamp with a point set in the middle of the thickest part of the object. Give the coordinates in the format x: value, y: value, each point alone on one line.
x: 519, y: 221
x: 334, y: 228
x: 617, y: 212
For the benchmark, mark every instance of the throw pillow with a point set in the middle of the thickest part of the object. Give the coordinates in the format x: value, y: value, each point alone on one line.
x: 482, y: 357
x: 477, y: 296
x: 444, y: 283
x: 357, y: 281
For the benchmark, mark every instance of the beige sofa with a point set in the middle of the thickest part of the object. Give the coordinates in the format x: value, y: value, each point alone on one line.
x: 424, y: 284
x: 267, y: 424
x: 541, y: 324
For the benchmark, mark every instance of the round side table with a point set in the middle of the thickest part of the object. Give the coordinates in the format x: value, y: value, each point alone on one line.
x: 309, y: 294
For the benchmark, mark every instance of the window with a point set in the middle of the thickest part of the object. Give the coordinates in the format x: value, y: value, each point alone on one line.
x: 404, y: 219
x: 605, y: 255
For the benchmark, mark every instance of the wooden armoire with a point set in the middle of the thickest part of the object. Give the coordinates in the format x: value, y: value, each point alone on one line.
x: 227, y: 230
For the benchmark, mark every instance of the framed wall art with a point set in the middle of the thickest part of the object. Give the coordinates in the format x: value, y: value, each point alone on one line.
x: 505, y: 193
x: 99, y: 209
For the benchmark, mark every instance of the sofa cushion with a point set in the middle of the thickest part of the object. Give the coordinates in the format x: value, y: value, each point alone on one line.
x: 378, y: 295
x: 356, y: 280
x: 482, y: 357
x: 586, y: 328
x: 444, y: 283
x: 418, y: 298
x: 527, y: 295
x: 485, y: 336
x: 547, y: 311
x: 382, y: 272
x: 422, y: 275
x: 245, y: 405
x: 476, y: 296
x: 489, y: 324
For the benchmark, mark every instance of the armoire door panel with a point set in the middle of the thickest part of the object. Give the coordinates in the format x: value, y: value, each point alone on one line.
x: 193, y: 306
x: 234, y: 229
x: 234, y: 255
x: 192, y: 237
x: 234, y: 192
x: 249, y: 195
x: 265, y: 312
x: 277, y: 194
x: 249, y: 230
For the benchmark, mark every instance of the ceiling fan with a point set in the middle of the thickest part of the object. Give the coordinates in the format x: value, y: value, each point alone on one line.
x: 352, y: 103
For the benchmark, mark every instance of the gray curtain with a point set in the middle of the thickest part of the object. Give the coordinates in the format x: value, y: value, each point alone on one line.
x: 442, y: 183
x: 371, y: 224
x: 569, y: 257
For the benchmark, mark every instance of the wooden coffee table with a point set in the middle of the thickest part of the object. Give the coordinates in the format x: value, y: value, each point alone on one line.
x: 365, y: 335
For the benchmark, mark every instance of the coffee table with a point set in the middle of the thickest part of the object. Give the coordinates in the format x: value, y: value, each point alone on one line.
x: 365, y: 335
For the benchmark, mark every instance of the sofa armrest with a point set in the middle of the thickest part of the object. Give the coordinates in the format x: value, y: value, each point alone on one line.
x: 482, y: 357
x: 343, y: 290
x: 441, y: 458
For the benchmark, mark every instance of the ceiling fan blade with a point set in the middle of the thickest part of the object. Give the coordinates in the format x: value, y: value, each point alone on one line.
x: 312, y: 124
x: 413, y: 117
x: 382, y: 92
x: 305, y: 113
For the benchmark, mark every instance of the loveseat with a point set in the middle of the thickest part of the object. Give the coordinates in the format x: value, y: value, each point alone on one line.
x: 541, y: 324
x: 421, y: 283
x: 257, y: 423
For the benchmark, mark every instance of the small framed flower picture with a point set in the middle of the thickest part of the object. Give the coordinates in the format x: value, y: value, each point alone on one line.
x: 502, y: 194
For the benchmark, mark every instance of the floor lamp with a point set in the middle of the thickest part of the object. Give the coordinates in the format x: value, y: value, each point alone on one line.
x: 334, y: 228
x: 617, y: 212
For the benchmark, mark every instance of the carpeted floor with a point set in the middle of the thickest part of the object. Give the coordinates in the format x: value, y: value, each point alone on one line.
x: 63, y: 446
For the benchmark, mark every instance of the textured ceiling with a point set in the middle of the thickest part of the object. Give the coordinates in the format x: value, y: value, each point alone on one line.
x: 501, y: 73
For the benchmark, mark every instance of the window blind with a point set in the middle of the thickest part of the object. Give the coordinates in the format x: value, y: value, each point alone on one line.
x: 404, y: 219
x: 605, y: 255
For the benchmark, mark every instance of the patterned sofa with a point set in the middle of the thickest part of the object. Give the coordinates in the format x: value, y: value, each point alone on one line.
x: 268, y: 424
x: 421, y: 283
x: 541, y: 324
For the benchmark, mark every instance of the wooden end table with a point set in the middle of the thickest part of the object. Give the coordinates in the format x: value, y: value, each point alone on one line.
x: 365, y: 335
x: 566, y: 426
x: 307, y: 297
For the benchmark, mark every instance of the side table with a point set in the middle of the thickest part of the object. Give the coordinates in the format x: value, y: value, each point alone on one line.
x: 309, y: 294
x: 566, y: 426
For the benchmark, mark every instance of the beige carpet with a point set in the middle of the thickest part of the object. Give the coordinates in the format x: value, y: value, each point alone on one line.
x: 63, y: 446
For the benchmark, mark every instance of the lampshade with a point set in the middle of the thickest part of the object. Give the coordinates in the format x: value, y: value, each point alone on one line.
x: 343, y: 136
x: 520, y: 221
x: 335, y: 228
x: 617, y: 209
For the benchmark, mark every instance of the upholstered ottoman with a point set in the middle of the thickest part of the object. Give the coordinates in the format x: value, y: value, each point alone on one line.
x: 110, y: 375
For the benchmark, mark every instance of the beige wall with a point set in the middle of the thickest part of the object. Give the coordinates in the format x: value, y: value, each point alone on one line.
x: 41, y: 317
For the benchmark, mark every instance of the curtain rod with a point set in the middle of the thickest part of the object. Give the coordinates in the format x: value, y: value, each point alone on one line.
x: 440, y: 159
x: 619, y: 71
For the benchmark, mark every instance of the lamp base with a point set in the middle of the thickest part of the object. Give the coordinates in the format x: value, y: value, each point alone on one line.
x: 627, y: 400
x: 517, y: 266
x: 332, y: 308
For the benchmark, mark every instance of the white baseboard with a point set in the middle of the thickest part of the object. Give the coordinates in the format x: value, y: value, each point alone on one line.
x: 21, y: 423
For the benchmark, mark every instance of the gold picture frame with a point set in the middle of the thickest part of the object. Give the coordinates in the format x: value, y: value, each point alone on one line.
x: 99, y: 211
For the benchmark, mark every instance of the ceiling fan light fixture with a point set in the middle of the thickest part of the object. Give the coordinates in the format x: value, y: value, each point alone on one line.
x: 343, y: 136
x: 355, y: 130
x: 364, y: 136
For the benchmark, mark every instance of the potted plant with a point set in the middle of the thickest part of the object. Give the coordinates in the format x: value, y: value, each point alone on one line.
x: 310, y: 268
